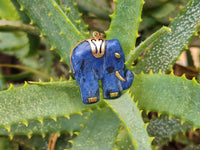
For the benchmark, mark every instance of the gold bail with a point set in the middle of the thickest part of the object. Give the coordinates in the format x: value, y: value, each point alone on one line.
x: 97, y: 35
x: 97, y: 44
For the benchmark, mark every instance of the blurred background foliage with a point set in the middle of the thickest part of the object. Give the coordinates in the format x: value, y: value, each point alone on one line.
x: 24, y: 55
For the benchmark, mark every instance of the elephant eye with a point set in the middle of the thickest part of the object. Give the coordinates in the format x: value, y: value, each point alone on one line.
x: 117, y: 55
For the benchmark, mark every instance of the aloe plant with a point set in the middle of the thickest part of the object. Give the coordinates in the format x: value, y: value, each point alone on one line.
x: 32, y: 112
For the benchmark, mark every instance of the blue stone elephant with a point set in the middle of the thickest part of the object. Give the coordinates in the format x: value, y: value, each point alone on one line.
x: 98, y: 59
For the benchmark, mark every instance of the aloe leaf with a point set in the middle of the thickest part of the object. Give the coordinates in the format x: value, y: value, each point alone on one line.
x: 123, y: 140
x: 125, y: 23
x: 99, y: 8
x: 100, y: 131
x: 6, y: 25
x: 6, y: 144
x: 49, y: 100
x: 54, y: 24
x: 7, y: 10
x: 130, y: 115
x: 47, y: 126
x: 13, y: 41
x: 71, y: 10
x: 41, y: 143
x: 163, y: 128
x: 165, y: 51
x: 2, y: 81
x: 138, y: 50
x: 175, y: 96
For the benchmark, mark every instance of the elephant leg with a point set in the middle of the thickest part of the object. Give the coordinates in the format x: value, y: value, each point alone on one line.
x: 111, y: 86
x: 89, y: 87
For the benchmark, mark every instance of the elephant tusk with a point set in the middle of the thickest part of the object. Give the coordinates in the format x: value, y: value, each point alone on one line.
x: 117, y: 74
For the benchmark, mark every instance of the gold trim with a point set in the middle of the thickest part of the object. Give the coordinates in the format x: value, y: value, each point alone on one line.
x: 115, y: 94
x: 92, y: 99
x: 72, y: 53
x: 117, y: 74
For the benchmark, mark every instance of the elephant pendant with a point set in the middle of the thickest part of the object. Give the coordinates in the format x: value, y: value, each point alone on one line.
x: 99, y: 59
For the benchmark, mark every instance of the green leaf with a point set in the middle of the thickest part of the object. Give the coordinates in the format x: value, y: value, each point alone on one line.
x: 71, y: 10
x: 123, y: 140
x: 6, y: 144
x: 175, y: 96
x: 17, y: 44
x: 165, y: 51
x: 163, y: 11
x: 100, y: 131
x: 46, y: 126
x: 54, y: 24
x: 130, y: 115
x: 164, y: 128
x: 46, y: 100
x: 99, y: 8
x: 13, y: 41
x: 8, y: 11
x: 143, y: 45
x: 125, y: 23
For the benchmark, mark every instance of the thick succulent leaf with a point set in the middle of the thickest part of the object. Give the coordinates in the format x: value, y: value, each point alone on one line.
x: 168, y: 94
x: 54, y: 24
x: 123, y: 140
x: 71, y: 10
x: 99, y: 8
x: 41, y: 143
x: 166, y: 50
x: 163, y: 128
x: 125, y: 23
x: 58, y: 125
x: 7, y: 10
x: 100, y: 131
x: 6, y: 144
x: 130, y: 115
x: 47, y: 100
x: 143, y: 45
x: 17, y: 44
x: 2, y: 81
x: 13, y: 41
x: 165, y: 11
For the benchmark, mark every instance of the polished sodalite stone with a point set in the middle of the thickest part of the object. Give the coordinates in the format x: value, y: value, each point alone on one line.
x: 109, y: 68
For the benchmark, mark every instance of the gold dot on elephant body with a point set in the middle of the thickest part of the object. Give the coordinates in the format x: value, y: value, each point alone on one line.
x: 117, y: 55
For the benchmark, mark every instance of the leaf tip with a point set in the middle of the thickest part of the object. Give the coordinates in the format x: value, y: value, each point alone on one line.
x: 67, y: 116
x: 21, y: 8
x: 43, y: 135
x: 51, y: 79
x: 61, y: 60
x: 11, y: 136
x: 54, y: 118
x: 49, y: 14
x: 71, y: 141
x: 8, y: 128
x: 11, y: 86
x: 40, y: 120
x: 77, y: 133
x: 52, y: 48
x: 68, y: 9
x: 29, y: 136
x: 151, y: 139
x: 82, y: 125
x: 25, y: 83
x: 25, y: 123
